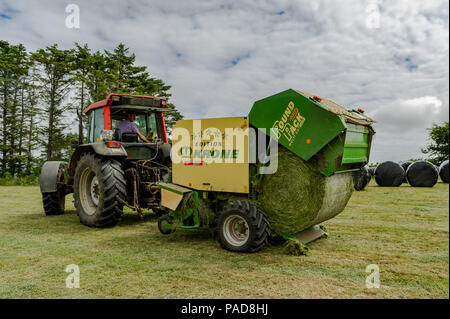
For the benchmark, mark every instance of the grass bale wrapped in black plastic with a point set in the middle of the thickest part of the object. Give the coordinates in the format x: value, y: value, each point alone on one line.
x: 405, y: 166
x: 422, y: 174
x: 443, y: 171
x: 389, y: 174
x: 297, y: 196
x: 361, y: 178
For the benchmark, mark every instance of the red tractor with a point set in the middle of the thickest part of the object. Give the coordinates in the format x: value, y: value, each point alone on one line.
x: 113, y: 169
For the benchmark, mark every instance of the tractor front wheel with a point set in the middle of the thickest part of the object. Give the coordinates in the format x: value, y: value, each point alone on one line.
x: 55, y: 202
x: 99, y: 191
x: 242, y: 226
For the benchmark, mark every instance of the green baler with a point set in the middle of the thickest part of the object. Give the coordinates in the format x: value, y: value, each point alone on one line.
x: 340, y: 138
x: 320, y: 146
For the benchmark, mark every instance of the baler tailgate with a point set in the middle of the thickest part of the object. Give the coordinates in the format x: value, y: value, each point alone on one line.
x: 356, y: 147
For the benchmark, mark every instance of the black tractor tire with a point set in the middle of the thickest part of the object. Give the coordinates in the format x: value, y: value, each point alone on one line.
x: 54, y: 202
x: 164, y: 220
x: 99, y: 190
x: 253, y: 220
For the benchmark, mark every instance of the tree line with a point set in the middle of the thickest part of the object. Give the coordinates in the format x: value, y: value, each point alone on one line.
x: 43, y: 94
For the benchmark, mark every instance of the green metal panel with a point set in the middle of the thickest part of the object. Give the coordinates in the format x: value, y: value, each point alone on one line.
x: 357, y: 144
x: 349, y: 150
x: 330, y: 157
x: 305, y: 126
x: 177, y: 189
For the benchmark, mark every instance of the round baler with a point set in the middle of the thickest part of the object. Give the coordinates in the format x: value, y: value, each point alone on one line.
x: 292, y: 170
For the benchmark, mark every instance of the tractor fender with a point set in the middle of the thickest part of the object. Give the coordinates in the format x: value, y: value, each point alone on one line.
x: 99, y: 148
x: 165, y: 150
x: 49, y: 175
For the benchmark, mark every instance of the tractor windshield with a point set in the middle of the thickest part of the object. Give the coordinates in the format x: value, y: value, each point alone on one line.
x: 146, y: 123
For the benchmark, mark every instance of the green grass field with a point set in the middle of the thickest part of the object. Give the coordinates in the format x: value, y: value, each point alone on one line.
x: 405, y: 231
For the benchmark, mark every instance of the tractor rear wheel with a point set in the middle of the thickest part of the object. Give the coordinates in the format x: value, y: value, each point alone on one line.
x: 99, y: 191
x: 242, y: 226
x: 54, y: 202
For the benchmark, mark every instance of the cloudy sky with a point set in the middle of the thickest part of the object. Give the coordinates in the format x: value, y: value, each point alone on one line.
x: 390, y: 58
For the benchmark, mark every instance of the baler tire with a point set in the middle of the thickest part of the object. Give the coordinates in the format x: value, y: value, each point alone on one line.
x: 54, y: 203
x: 159, y: 212
x: 111, y: 189
x: 361, y: 178
x: 169, y: 220
x: 256, y: 220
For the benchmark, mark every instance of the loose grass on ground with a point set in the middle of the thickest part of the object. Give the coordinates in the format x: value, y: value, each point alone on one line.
x: 405, y: 231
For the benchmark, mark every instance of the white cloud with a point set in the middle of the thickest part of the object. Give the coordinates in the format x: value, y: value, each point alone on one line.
x: 403, y: 116
x: 221, y: 56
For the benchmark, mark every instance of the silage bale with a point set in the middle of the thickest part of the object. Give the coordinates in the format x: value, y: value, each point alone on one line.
x: 443, y: 171
x: 361, y: 178
x: 405, y: 166
x: 389, y: 174
x: 297, y: 196
x: 372, y: 171
x: 422, y: 174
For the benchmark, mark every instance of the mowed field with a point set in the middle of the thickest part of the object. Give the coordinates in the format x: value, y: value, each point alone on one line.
x: 405, y: 231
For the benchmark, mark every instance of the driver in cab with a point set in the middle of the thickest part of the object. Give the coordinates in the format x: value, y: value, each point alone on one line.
x: 128, y: 126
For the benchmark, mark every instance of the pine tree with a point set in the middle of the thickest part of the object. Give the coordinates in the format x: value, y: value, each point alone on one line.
x: 32, y: 135
x: 121, y: 66
x: 54, y: 75
x: 14, y: 65
x: 99, y: 77
x: 82, y: 65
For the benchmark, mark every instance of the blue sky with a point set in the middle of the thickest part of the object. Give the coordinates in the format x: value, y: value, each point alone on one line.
x: 221, y: 56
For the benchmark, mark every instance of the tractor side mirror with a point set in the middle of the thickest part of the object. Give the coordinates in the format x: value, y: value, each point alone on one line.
x: 74, y: 143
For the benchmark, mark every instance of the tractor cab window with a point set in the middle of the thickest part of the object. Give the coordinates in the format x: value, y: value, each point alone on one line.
x: 141, y: 123
x: 96, y: 125
x: 146, y: 124
x: 153, y: 127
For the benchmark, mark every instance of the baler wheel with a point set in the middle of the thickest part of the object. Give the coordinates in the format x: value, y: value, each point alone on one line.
x: 242, y: 226
x: 99, y: 191
x: 165, y: 224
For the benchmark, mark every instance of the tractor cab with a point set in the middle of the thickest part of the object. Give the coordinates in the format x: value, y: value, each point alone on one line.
x: 109, y: 123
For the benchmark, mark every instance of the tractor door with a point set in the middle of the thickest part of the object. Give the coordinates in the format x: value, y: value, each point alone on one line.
x: 95, y: 125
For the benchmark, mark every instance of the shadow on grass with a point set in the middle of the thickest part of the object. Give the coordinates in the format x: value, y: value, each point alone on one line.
x: 185, y: 242
x: 70, y: 222
x: 134, y: 218
x: 182, y: 238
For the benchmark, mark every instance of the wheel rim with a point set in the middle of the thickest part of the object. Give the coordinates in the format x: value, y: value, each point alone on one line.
x: 89, y: 191
x: 236, y: 230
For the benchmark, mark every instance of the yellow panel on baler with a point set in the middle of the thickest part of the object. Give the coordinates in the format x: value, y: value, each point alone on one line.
x: 195, y: 169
